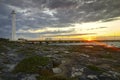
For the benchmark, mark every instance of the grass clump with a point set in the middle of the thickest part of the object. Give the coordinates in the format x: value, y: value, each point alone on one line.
x: 31, y: 64
x: 42, y: 78
x: 108, y: 56
x: 1, y: 68
x: 54, y: 78
x: 29, y: 51
x: 2, y: 49
x: 46, y: 72
x: 95, y: 68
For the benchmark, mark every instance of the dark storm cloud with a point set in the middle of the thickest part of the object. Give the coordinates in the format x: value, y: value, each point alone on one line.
x: 88, y: 12
x: 56, y: 13
x: 4, y: 21
x: 61, y: 4
x: 4, y: 32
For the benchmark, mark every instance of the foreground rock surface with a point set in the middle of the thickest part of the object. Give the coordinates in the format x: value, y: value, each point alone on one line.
x: 21, y: 61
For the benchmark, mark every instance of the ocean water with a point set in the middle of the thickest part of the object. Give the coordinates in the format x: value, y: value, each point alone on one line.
x: 114, y: 44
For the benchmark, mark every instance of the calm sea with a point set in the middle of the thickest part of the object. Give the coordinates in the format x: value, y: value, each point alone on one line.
x: 115, y: 44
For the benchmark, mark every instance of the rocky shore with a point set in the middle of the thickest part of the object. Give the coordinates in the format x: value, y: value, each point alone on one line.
x: 20, y: 61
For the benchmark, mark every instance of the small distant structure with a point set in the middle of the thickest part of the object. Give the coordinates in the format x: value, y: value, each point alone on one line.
x: 48, y: 39
x: 13, y: 13
x: 22, y: 40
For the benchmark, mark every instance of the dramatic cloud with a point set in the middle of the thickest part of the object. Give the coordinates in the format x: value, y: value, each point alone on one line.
x: 39, y: 14
x: 71, y: 35
x: 97, y: 28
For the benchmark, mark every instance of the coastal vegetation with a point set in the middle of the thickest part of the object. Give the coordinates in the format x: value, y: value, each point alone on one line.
x: 31, y: 64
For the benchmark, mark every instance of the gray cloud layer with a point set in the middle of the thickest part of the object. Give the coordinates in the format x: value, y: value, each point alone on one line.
x: 55, y: 13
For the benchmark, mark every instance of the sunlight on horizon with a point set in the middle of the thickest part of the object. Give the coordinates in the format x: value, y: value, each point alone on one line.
x: 105, y: 30
x: 90, y: 30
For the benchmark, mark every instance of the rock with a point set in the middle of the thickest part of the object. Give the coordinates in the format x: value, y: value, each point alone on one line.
x: 76, y: 74
x: 106, y: 74
x: 66, y: 52
x: 63, y: 61
x: 114, y: 74
x: 12, y: 55
x: 10, y: 66
x: 8, y: 76
x: 1, y: 79
x: 92, y: 76
x: 82, y: 78
x: 49, y: 56
x: 57, y: 70
x: 30, y: 77
x: 85, y: 55
x: 0, y: 72
x: 77, y: 69
x: 2, y: 53
x: 82, y: 69
x: 55, y: 52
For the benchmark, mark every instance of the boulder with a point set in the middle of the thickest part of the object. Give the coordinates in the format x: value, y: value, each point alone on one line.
x: 30, y: 77
x: 66, y: 52
x: 63, y: 61
x: 76, y: 74
x: 57, y: 70
x: 92, y: 76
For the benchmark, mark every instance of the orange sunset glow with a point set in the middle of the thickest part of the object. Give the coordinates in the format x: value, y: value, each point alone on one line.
x: 59, y: 39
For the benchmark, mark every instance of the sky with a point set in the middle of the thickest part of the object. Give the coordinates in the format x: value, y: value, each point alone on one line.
x: 61, y: 19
